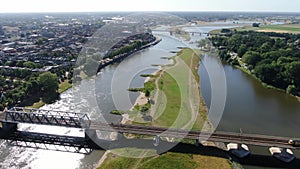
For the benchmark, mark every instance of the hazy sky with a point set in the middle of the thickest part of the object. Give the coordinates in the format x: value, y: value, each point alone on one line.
x: 148, y: 5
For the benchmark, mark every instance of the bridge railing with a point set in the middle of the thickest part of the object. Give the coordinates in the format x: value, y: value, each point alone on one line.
x: 47, y: 117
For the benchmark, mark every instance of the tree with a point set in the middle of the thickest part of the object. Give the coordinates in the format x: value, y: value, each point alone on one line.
x: 255, y: 24
x: 242, y: 50
x: 291, y: 89
x: 251, y: 58
x: 293, y: 71
x: 48, y: 82
x: 30, y: 64
x: 265, y: 47
x: 147, y: 93
x: 225, y: 31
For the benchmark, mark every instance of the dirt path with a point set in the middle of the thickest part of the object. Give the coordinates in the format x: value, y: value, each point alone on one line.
x: 192, y: 86
x: 155, y: 97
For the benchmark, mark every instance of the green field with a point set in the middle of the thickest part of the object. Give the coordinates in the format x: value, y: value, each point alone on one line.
x: 287, y: 28
x: 290, y: 28
x: 166, y: 161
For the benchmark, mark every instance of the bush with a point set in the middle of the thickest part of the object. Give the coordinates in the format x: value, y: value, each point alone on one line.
x: 291, y: 89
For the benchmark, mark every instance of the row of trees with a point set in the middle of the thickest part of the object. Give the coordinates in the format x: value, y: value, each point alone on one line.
x: 274, y: 58
x: 26, y: 64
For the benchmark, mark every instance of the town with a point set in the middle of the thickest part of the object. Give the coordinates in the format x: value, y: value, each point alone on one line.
x: 34, y: 44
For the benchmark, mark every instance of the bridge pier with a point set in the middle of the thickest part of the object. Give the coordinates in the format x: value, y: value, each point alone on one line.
x: 120, y: 136
x: 91, y: 138
x: 90, y: 134
x: 197, y: 143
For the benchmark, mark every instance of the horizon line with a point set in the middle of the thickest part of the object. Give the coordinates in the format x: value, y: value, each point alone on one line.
x: 183, y: 11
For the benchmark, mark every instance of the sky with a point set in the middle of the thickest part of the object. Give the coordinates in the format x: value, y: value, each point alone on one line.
x: 148, y: 5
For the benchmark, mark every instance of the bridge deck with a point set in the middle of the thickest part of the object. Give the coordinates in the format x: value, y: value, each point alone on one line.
x: 250, y: 139
x: 34, y: 116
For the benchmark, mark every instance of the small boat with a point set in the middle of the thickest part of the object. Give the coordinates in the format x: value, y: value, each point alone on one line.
x: 239, y: 150
x: 283, y: 154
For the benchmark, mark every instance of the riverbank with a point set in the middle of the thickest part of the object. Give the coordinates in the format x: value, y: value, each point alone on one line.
x: 123, y: 52
x: 179, y: 98
x: 265, y: 84
x: 62, y: 87
x: 276, y: 66
x: 247, y: 71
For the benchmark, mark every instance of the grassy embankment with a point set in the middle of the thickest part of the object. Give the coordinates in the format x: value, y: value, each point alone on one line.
x: 166, y: 161
x: 179, y: 90
x: 63, y: 86
x: 176, y: 96
x: 178, y: 86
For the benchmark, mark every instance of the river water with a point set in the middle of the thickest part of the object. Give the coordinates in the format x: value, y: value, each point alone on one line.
x: 249, y: 106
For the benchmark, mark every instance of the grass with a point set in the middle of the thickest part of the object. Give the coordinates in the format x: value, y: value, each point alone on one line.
x: 165, y: 161
x: 174, y: 84
x: 194, y: 65
x: 204, y: 162
x: 37, y: 105
x: 289, y: 28
x: 64, y: 86
x: 286, y: 28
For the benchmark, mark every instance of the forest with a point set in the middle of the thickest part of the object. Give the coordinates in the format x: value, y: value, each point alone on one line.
x: 273, y: 58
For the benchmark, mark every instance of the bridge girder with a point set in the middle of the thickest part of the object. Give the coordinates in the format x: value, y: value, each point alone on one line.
x: 47, y: 117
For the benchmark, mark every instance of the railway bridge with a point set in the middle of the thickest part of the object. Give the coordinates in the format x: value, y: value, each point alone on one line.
x: 11, y: 118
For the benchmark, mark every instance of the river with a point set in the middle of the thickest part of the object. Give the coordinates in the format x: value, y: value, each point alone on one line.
x: 249, y: 106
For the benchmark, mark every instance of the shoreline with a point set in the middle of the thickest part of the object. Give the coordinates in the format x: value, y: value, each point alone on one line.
x: 130, y: 53
x: 125, y: 117
x: 247, y: 71
x: 265, y: 85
